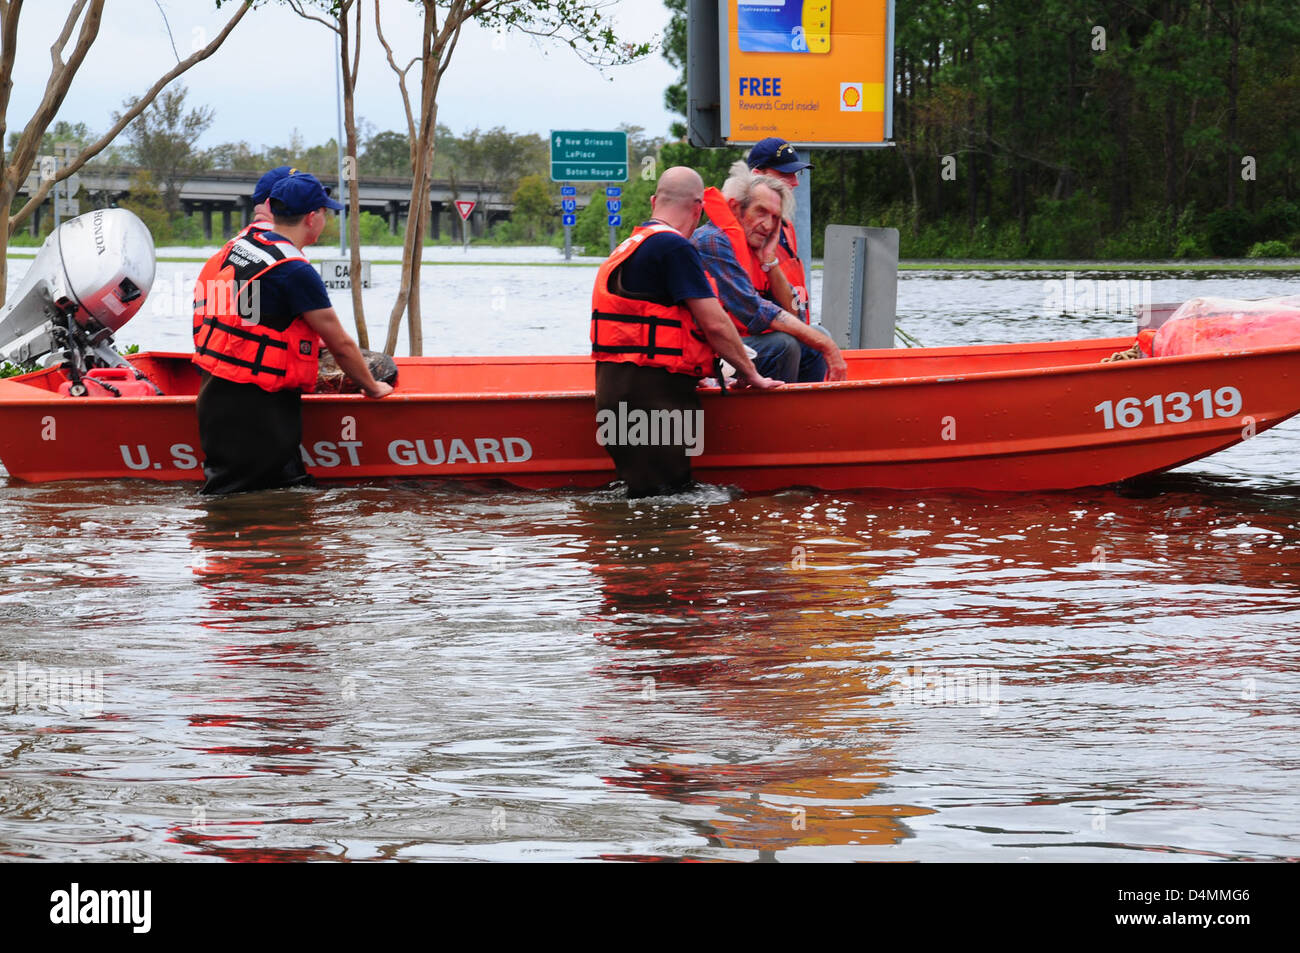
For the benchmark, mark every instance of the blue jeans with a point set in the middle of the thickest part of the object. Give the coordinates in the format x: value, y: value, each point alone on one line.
x: 784, y: 358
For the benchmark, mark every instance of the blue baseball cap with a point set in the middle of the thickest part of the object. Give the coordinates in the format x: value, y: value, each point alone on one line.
x: 774, y: 153
x: 262, y: 191
x: 302, y: 192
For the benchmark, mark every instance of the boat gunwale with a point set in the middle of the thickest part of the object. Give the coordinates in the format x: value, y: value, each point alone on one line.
x: 46, y: 397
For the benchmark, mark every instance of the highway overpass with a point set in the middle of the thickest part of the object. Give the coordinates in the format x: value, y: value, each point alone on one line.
x: 226, y: 193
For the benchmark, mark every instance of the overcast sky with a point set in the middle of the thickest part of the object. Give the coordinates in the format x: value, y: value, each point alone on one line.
x: 275, y: 72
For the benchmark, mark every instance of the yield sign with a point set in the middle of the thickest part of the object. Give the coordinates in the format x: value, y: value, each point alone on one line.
x: 464, y: 207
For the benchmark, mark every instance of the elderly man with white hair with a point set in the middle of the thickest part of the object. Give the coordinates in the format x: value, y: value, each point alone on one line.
x: 738, y: 249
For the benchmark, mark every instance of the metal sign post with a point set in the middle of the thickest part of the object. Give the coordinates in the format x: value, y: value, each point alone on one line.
x: 614, y: 206
x: 338, y: 95
x: 803, y: 224
x: 569, y: 206
x: 464, y: 207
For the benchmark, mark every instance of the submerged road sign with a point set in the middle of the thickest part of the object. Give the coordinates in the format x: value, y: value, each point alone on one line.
x: 337, y: 273
x: 585, y: 156
x: 464, y: 207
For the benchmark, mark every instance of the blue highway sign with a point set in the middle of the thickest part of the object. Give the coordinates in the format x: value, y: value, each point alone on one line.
x: 570, y: 220
x: 615, y: 221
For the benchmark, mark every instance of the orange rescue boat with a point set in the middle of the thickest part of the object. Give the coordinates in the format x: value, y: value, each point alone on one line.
x: 1037, y: 416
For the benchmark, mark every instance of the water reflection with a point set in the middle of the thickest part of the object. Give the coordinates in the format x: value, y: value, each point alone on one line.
x: 753, y: 647
x: 420, y: 671
x: 258, y: 559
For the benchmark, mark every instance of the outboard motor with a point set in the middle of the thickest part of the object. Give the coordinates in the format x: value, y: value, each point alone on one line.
x: 90, y: 277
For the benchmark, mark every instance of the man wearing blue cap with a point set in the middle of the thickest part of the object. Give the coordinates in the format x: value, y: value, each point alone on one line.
x: 262, y: 192
x: 261, y: 313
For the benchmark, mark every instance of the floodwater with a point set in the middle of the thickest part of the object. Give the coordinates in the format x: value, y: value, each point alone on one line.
x: 424, y: 670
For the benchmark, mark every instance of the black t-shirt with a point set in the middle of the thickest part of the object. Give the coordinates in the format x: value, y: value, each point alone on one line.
x: 290, y: 289
x: 667, y: 269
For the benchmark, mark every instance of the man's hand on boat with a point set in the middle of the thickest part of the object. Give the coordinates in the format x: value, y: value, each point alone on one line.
x: 325, y: 322
x: 719, y: 330
x: 818, y: 340
x: 757, y: 382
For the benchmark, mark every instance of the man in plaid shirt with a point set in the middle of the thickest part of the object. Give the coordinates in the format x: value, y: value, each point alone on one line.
x: 788, y: 350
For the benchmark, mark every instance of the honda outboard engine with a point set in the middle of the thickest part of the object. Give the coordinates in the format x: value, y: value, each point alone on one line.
x: 90, y: 277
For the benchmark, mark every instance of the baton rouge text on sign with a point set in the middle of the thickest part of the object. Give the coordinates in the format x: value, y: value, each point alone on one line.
x: 329, y: 454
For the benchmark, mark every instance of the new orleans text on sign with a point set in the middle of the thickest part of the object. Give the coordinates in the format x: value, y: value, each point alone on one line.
x: 815, y: 72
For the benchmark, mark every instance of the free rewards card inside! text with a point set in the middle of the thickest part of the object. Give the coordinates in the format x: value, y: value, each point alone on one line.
x: 784, y: 26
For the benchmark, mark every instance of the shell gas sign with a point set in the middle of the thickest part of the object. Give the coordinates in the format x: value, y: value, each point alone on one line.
x: 815, y: 72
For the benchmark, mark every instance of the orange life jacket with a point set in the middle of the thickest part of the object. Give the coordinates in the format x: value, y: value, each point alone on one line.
x: 229, y: 340
x: 644, y: 332
x: 792, y: 268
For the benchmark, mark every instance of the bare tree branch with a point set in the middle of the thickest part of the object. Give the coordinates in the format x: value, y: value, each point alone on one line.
x: 140, y: 105
x: 172, y: 39
x: 356, y: 58
x: 297, y: 8
x: 401, y: 79
x: 73, y: 15
x: 9, y: 12
x: 55, y: 91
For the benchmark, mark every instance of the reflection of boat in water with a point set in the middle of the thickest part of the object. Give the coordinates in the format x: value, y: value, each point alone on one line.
x: 999, y: 417
x: 766, y: 726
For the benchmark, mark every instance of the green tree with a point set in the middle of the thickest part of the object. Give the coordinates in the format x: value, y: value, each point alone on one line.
x: 387, y: 153
x: 164, y: 140
x: 236, y: 156
x: 534, y: 206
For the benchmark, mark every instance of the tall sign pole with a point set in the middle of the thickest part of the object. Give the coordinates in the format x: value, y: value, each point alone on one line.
x: 338, y: 94
x: 803, y: 223
x: 614, y: 209
x: 569, y: 208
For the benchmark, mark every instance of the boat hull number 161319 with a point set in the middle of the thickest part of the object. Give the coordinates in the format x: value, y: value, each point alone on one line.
x: 1176, y: 408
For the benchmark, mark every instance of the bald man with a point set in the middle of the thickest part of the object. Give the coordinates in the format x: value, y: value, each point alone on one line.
x: 657, y: 329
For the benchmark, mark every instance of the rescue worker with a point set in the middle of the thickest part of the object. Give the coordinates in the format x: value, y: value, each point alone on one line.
x: 738, y: 250
x: 261, y: 313
x: 262, y: 194
x: 777, y: 159
x: 656, y: 330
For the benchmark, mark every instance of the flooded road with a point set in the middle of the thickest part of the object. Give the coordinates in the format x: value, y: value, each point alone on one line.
x: 403, y: 670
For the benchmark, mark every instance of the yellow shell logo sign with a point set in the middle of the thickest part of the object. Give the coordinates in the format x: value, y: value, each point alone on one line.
x: 851, y: 97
